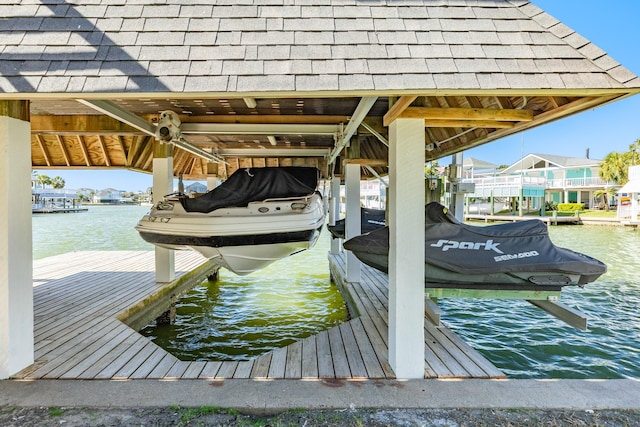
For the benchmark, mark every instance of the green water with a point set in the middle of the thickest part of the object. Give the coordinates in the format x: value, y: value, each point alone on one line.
x: 242, y: 316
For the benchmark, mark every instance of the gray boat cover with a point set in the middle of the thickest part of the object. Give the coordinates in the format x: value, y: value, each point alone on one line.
x: 256, y: 184
x: 511, y: 247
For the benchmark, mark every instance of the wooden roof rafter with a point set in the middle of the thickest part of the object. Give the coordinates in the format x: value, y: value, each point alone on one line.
x: 83, y: 147
x: 63, y: 149
x: 44, y: 150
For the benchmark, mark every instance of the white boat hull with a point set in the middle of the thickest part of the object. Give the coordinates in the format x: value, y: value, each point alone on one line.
x: 240, y: 239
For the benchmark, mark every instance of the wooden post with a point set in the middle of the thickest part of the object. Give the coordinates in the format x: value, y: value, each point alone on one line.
x: 162, y: 185
x: 334, y: 212
x: 406, y: 247
x: 352, y: 221
x: 16, y: 274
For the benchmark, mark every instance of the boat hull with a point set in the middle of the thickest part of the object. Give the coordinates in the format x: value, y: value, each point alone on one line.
x: 240, y: 239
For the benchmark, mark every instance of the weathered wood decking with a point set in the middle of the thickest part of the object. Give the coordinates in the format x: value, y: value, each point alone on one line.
x: 80, y: 297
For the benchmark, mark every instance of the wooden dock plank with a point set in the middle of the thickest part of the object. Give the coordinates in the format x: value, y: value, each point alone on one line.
x: 140, y: 357
x: 78, y: 296
x: 323, y: 351
x: 227, y: 369
x: 309, y: 358
x: 368, y: 354
x: 194, y: 370
x: 261, y: 367
x: 293, y: 367
x: 354, y: 356
x: 338, y: 354
x: 210, y: 370
x: 177, y: 370
x: 244, y: 369
x: 278, y: 364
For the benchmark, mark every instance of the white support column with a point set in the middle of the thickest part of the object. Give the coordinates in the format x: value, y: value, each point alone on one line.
x: 334, y: 212
x: 163, y: 184
x: 16, y: 271
x: 457, y: 198
x: 406, y: 247
x: 352, y: 221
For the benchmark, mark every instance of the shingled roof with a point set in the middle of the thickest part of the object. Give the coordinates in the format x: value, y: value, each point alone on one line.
x: 318, y: 59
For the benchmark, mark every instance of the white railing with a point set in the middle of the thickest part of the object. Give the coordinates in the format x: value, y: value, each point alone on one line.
x: 593, y: 181
x: 514, y: 180
x: 507, y: 181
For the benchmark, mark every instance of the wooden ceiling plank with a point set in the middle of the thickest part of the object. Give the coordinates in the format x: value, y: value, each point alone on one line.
x: 396, y: 110
x: 85, y: 152
x: 428, y: 113
x: 44, y: 150
x: 63, y: 148
x: 105, y: 152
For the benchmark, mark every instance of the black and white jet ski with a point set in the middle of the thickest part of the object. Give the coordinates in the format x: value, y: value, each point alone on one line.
x: 516, y: 255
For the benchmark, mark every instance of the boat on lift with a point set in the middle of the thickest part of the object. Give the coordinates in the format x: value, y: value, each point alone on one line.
x: 370, y: 219
x: 511, y: 256
x: 257, y: 216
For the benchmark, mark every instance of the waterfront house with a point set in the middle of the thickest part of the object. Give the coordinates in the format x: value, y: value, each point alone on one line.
x: 109, y: 196
x: 542, y: 178
x: 52, y: 199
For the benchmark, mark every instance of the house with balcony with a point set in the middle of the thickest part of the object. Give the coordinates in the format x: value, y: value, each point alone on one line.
x: 539, y: 178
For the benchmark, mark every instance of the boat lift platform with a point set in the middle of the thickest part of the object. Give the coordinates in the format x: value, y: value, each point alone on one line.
x: 83, y: 299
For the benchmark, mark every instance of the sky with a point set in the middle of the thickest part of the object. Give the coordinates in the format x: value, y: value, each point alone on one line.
x: 612, y: 26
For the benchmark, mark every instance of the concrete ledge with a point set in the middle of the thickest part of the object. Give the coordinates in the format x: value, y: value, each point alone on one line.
x: 280, y: 395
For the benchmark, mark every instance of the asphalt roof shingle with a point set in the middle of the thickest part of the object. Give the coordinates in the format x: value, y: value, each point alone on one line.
x: 277, y: 45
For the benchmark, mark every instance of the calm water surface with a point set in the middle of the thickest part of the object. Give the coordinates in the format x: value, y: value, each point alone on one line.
x: 238, y: 317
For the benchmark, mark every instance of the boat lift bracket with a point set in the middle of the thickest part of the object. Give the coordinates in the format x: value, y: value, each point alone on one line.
x: 570, y: 316
x: 545, y: 300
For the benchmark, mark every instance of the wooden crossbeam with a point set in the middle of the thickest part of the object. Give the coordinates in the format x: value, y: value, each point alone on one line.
x: 428, y: 113
x: 436, y: 123
x: 398, y: 108
x: 366, y: 162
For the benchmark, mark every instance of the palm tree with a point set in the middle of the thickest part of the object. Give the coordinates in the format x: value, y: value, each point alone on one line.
x: 605, y: 194
x: 615, y: 169
x: 57, y: 182
x: 43, y: 180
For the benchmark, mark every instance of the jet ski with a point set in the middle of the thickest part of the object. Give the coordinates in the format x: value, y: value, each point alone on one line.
x: 370, y: 219
x: 510, y: 256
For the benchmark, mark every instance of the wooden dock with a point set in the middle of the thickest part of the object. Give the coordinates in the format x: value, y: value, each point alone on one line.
x: 79, y: 299
x: 549, y: 220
